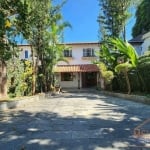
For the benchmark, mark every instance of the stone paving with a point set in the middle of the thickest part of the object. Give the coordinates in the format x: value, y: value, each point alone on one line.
x: 74, y: 121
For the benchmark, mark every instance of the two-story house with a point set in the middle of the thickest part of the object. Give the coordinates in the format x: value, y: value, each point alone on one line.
x: 79, y: 71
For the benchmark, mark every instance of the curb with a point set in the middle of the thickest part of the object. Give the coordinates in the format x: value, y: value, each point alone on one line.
x: 17, y: 103
x: 135, y: 98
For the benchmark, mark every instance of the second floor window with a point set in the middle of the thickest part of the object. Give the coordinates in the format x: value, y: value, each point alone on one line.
x: 26, y: 54
x: 67, y: 53
x: 88, y: 52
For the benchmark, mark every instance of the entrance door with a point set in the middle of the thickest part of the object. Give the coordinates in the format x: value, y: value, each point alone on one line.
x: 89, y: 79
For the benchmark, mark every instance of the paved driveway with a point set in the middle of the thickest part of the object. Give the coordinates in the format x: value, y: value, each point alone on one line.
x: 73, y: 121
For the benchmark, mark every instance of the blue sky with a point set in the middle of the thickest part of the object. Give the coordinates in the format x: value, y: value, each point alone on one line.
x: 82, y: 15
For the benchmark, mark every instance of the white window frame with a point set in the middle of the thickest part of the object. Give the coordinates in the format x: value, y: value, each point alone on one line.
x: 88, y: 52
x: 67, y: 53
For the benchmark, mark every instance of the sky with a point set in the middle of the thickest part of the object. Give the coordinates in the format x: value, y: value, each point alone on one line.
x: 82, y: 15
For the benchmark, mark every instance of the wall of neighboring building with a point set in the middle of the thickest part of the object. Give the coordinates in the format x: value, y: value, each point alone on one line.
x: 138, y: 48
x: 146, y: 42
x: 77, y: 54
x: 25, y: 49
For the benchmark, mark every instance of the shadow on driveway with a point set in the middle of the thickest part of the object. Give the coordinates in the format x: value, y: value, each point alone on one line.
x: 51, y: 130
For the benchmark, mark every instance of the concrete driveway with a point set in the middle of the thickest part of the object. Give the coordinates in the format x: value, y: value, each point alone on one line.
x: 74, y: 121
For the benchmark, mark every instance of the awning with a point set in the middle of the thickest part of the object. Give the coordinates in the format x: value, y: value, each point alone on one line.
x: 76, y: 68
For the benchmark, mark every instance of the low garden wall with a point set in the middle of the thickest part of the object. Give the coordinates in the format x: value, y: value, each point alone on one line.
x: 11, y: 104
x: 135, y: 98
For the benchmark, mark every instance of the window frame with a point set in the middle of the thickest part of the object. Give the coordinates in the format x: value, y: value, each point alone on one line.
x: 88, y: 52
x: 66, y: 76
x: 67, y: 53
x: 26, y: 54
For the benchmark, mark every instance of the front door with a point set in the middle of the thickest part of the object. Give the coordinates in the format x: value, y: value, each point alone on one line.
x: 89, y: 79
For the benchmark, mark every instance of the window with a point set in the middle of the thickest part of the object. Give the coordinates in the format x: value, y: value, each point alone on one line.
x: 67, y: 53
x: 88, y: 52
x: 67, y: 76
x: 26, y: 54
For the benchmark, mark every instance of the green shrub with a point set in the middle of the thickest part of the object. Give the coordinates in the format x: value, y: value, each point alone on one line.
x: 19, y: 77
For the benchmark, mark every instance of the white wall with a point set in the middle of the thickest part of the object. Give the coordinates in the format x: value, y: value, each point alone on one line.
x: 138, y: 48
x: 146, y: 42
x: 77, y: 54
x: 68, y: 84
x: 23, y: 48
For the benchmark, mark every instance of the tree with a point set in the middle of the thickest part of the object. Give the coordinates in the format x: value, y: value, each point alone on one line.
x: 129, y: 59
x: 144, y: 70
x: 19, y: 77
x: 43, y: 26
x: 106, y: 75
x: 112, y: 17
x: 54, y: 50
x: 142, y: 18
x: 8, y: 12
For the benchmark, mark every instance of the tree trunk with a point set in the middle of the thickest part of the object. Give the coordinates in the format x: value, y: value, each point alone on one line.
x: 3, y: 79
x: 33, y: 81
x: 34, y: 72
x: 124, y: 33
x: 144, y: 88
x: 128, y: 81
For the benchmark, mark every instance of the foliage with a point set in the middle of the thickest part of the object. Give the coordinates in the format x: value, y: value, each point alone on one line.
x: 144, y: 70
x: 122, y: 57
x: 124, y: 48
x: 112, y: 17
x: 142, y: 19
x: 108, y: 57
x: 19, y: 77
x: 105, y: 73
x: 123, y: 67
x: 43, y: 25
x: 115, y: 51
x: 9, y: 12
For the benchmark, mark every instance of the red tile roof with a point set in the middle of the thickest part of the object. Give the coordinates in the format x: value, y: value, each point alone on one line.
x: 77, y: 68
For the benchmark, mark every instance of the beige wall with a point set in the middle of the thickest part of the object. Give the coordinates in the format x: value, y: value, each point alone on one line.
x: 69, y: 84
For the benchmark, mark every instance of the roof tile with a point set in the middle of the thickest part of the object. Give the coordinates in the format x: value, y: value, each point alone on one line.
x: 77, y: 68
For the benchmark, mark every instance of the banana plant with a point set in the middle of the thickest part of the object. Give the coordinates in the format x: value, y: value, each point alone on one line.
x: 129, y: 60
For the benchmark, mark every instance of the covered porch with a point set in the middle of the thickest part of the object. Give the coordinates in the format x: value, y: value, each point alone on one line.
x: 77, y: 76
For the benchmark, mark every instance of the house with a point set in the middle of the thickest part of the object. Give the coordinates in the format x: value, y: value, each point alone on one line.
x: 137, y: 43
x: 79, y: 71
x: 141, y: 43
x: 146, y: 43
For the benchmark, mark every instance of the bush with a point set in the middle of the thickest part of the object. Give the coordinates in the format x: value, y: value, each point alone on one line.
x: 19, y: 78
